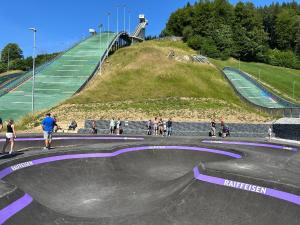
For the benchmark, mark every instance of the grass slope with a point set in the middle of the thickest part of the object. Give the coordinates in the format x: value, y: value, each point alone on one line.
x: 278, y: 79
x: 140, y: 82
x: 10, y: 72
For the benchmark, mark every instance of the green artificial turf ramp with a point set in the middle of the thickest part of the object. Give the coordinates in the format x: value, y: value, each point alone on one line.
x: 254, y: 93
x: 59, y: 80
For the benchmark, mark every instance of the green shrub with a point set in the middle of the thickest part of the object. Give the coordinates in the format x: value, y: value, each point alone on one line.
x: 283, y: 58
x: 206, y: 46
x: 187, y: 33
x: 195, y: 42
x: 3, y: 67
x: 29, y: 121
x: 18, y: 64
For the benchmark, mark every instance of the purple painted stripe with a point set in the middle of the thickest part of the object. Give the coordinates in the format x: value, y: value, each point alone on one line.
x: 14, y: 208
x: 251, y: 144
x: 247, y: 187
x: 9, y: 170
x: 78, y: 138
x: 74, y: 156
x: 5, y: 172
x: 214, y: 151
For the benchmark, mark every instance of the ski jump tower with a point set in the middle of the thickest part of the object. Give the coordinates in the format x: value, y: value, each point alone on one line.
x: 139, y: 33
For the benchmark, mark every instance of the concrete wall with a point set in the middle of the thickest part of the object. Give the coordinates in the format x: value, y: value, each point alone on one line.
x: 182, y: 128
x: 287, y: 131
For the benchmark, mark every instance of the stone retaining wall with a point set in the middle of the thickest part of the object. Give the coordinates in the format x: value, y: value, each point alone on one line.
x: 182, y: 128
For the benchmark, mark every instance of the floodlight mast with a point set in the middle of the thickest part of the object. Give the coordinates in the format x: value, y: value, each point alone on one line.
x: 34, y: 30
x: 129, y: 21
x: 108, y: 15
x: 100, y: 45
x: 118, y: 18
x: 124, y: 18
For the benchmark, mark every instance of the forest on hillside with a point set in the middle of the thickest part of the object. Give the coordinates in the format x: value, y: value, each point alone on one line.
x: 218, y: 29
x: 12, y: 58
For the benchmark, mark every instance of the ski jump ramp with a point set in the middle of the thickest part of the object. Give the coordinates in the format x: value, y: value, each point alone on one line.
x: 61, y: 78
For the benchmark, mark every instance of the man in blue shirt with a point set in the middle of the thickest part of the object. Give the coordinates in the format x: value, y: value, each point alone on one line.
x: 48, y: 126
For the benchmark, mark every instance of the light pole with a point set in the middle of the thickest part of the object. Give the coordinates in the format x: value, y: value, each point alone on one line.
x: 108, y: 15
x: 33, y: 67
x: 124, y: 17
x: 294, y: 84
x: 100, y: 46
x: 259, y: 74
x: 117, y: 18
x: 129, y: 21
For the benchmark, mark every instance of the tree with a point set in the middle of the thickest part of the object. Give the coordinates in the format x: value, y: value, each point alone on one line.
x: 202, y: 20
x: 11, y: 50
x: 243, y: 30
x: 222, y: 12
x: 187, y: 32
x: 206, y: 46
x: 178, y: 20
x: 224, y: 40
x: 269, y: 15
x: 195, y: 42
x: 18, y: 64
x: 284, y: 29
x: 3, y: 67
x: 250, y: 38
x: 297, y: 47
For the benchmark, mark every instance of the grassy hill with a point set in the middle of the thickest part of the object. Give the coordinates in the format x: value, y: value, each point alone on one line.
x: 10, y: 72
x: 278, y: 79
x: 140, y: 82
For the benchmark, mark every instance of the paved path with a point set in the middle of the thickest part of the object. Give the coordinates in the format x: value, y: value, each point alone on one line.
x: 151, y: 180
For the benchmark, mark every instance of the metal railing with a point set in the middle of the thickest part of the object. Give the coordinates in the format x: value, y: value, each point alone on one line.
x: 103, y: 57
x: 139, y: 29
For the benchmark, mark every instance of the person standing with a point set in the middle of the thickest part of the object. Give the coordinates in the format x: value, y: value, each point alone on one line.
x: 118, y: 124
x: 10, y: 137
x: 149, y: 127
x: 270, y: 133
x: 48, y: 126
x: 155, y: 126
x: 94, y: 127
x: 112, y: 126
x: 222, y: 127
x: 121, y: 127
x: 169, y: 127
x: 213, y: 128
x: 165, y: 128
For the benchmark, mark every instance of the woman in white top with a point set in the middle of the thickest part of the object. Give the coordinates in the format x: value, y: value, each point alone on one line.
x: 10, y: 137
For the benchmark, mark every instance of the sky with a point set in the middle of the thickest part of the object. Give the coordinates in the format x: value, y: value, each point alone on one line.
x: 61, y: 23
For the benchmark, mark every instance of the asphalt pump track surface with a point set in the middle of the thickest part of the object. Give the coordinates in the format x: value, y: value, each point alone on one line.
x: 118, y: 180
